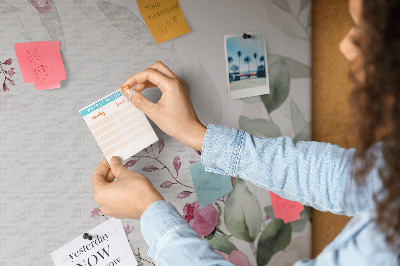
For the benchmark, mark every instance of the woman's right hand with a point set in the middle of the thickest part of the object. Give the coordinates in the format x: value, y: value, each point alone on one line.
x: 174, y: 112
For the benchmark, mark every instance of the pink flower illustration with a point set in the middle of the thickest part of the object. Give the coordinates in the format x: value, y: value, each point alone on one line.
x: 203, y: 220
x: 95, y: 213
x: 43, y: 6
x: 236, y: 257
x: 8, y: 61
x: 128, y: 229
x: 11, y: 72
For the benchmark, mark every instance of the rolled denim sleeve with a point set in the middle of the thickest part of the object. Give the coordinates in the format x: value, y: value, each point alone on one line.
x: 313, y: 173
x: 172, y: 241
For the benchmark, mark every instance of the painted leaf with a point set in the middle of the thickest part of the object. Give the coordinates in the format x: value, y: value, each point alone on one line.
x: 279, y: 84
x: 166, y: 184
x: 296, y: 69
x: 150, y: 168
x: 219, y: 208
x: 52, y: 22
x: 275, y: 237
x: 300, y: 224
x: 287, y: 23
x: 192, y: 162
x: 221, y: 243
x: 304, y: 134
x: 242, y: 213
x: 126, y: 21
x: 304, y: 3
x: 269, y: 210
x: 298, y: 119
x: 198, y: 152
x: 183, y: 194
x: 131, y: 163
x: 282, y: 4
x: 251, y: 100
x: 160, y: 145
x: 259, y: 127
x: 177, y: 163
x: 6, y: 8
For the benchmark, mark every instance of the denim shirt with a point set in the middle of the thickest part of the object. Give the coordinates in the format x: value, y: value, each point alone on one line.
x: 312, y: 173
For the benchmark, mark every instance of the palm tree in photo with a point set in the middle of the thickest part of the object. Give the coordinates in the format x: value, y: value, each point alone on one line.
x: 239, y: 55
x: 255, y: 60
x: 230, y: 60
x: 247, y: 60
x: 262, y: 59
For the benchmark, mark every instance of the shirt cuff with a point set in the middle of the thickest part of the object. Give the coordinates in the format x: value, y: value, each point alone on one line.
x: 222, y: 147
x: 159, y: 218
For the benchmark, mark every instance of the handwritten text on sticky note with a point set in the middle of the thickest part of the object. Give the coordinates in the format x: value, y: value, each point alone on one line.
x: 284, y: 209
x: 41, y: 63
x: 209, y: 186
x: 164, y: 18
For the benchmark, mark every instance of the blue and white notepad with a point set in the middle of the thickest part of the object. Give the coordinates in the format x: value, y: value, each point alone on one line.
x: 118, y: 126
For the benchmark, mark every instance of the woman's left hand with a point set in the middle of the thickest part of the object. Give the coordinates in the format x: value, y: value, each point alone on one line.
x: 127, y: 197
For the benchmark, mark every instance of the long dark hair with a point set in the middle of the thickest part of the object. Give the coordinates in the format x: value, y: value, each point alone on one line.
x: 375, y: 103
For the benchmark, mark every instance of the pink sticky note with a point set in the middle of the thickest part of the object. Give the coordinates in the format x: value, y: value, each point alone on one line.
x: 287, y: 210
x: 41, y: 63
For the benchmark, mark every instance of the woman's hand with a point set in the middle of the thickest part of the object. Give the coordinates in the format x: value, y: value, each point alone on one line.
x: 174, y: 112
x: 127, y: 197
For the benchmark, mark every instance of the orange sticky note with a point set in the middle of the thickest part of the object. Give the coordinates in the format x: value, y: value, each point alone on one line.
x: 284, y: 209
x: 41, y: 63
x: 164, y: 18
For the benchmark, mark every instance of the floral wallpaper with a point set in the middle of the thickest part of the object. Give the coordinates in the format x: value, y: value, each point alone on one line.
x: 49, y: 154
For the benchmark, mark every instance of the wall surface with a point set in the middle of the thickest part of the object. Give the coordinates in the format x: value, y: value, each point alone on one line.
x: 331, y: 89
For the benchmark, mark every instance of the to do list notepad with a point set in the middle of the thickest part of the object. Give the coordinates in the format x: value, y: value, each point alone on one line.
x: 118, y: 126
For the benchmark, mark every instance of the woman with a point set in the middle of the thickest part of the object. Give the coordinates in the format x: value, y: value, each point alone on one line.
x: 362, y: 182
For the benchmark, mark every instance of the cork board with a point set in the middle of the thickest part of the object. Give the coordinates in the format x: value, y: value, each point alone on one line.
x: 330, y: 97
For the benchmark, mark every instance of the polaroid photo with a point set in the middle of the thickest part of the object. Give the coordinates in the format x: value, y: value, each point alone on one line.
x: 246, y: 65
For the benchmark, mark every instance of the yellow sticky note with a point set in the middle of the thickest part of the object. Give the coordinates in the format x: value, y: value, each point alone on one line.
x: 164, y: 18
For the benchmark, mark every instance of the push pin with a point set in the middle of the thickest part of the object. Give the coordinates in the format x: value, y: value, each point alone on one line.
x: 87, y: 236
x: 246, y: 36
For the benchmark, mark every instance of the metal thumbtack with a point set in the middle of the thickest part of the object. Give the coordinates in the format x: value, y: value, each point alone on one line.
x: 87, y: 236
x: 246, y: 36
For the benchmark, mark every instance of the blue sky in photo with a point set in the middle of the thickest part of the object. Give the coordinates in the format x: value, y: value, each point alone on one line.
x: 256, y: 44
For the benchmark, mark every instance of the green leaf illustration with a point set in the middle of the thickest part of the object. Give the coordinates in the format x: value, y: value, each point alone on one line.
x: 304, y: 3
x: 242, y: 213
x: 279, y: 84
x: 275, y: 237
x: 296, y: 69
x: 6, y: 7
x: 281, y: 16
x: 259, y: 127
x: 298, y: 119
x: 52, y: 22
x: 282, y: 4
x: 269, y: 210
x: 300, y: 224
x: 126, y: 21
x: 250, y: 100
x: 304, y: 134
x: 221, y: 243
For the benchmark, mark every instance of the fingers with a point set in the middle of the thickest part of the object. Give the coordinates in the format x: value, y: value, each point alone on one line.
x: 117, y: 167
x: 100, y: 174
x: 140, y: 102
x: 160, y: 67
x: 159, y: 80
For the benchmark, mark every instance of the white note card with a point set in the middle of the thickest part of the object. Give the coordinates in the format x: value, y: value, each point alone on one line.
x: 118, y: 126
x: 108, y: 247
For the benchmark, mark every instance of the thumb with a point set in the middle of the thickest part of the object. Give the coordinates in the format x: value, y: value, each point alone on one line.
x: 117, y: 168
x: 138, y: 100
